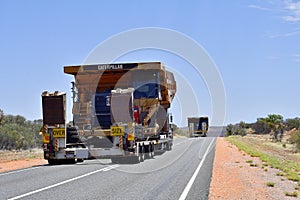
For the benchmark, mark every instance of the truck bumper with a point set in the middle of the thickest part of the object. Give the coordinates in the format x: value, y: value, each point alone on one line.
x: 106, y: 152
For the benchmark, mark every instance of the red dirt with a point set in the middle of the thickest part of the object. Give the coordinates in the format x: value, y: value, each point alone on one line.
x: 20, y: 164
x: 234, y: 178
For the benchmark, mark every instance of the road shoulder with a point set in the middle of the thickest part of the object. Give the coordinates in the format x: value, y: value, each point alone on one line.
x: 236, y: 175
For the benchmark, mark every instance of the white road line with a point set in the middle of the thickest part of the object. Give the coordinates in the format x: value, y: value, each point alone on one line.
x: 18, y: 171
x: 64, y: 182
x: 181, y: 143
x: 191, y: 182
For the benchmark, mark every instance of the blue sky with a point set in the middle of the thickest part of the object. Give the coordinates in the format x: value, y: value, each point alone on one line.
x: 254, y: 44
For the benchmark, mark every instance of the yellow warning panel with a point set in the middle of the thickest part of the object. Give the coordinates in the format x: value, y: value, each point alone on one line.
x: 117, y: 131
x: 59, y: 132
x: 46, y: 138
x: 130, y: 137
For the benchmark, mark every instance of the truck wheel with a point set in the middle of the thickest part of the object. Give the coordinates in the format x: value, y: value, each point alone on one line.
x: 141, y: 155
x: 148, y: 151
x: 72, y: 128
x: 79, y: 160
x: 72, y: 135
x: 151, y: 148
x: 169, y: 146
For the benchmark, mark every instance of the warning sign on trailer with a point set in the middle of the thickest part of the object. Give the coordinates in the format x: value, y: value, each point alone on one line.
x: 58, y: 132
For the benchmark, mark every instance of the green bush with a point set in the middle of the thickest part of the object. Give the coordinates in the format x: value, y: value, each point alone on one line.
x: 291, y: 194
x: 237, y: 129
x: 270, y: 184
x: 17, y: 133
x: 295, y: 139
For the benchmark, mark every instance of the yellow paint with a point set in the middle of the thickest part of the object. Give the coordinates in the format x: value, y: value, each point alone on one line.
x: 46, y: 138
x: 130, y: 137
x: 59, y: 133
x: 117, y: 131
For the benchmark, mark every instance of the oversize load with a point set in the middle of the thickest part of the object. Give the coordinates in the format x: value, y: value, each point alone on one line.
x: 59, y: 133
x: 117, y: 131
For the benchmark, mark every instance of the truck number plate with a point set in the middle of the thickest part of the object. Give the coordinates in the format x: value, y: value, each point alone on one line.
x: 58, y: 133
x: 70, y: 156
x: 117, y: 131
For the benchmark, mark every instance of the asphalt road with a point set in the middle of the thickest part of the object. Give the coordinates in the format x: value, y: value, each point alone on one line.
x: 183, y: 173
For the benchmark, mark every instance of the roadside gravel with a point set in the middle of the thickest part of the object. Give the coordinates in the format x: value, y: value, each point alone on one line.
x: 234, y: 178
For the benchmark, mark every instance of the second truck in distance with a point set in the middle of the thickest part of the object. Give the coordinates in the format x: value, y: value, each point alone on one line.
x: 198, y: 126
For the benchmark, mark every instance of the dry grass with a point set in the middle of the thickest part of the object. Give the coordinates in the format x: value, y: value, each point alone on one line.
x: 6, y: 156
x: 271, y: 154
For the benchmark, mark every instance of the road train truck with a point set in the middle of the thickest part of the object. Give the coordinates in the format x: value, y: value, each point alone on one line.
x: 120, y: 111
x: 198, y: 126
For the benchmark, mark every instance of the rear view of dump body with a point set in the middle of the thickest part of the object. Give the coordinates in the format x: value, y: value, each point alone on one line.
x: 198, y: 126
x: 121, y: 110
x: 60, y: 143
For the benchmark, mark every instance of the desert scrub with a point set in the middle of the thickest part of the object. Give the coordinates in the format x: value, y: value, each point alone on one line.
x: 289, y: 167
x: 280, y: 174
x: 291, y: 194
x: 270, y: 184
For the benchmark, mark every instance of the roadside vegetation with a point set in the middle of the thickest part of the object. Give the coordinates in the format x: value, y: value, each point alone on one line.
x: 288, y: 164
x: 286, y: 132
x: 17, y: 133
x: 275, y: 141
x: 179, y: 132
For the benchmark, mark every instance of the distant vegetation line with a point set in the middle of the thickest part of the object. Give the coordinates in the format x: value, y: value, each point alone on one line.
x: 274, y: 125
x: 17, y: 133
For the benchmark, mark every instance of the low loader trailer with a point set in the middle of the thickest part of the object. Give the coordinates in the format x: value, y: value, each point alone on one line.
x: 120, y: 111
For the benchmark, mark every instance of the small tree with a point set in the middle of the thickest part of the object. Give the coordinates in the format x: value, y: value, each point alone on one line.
x: 175, y: 127
x: 292, y: 123
x: 229, y: 129
x: 295, y: 139
x: 275, y: 123
x: 236, y: 129
x: 261, y: 126
x: 1, y: 116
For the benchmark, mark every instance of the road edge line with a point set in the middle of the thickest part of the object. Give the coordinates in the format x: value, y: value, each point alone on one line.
x: 19, y: 170
x: 192, y: 180
x: 64, y: 182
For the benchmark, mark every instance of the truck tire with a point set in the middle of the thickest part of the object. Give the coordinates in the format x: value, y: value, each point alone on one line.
x: 147, y: 152
x: 169, y: 146
x: 72, y: 135
x: 72, y: 128
x: 151, y: 151
x: 141, y: 154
